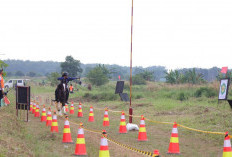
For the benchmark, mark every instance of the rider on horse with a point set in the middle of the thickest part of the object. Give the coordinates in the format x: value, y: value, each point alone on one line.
x: 62, y: 91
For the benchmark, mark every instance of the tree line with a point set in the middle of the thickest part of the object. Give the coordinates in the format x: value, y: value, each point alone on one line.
x: 110, y: 72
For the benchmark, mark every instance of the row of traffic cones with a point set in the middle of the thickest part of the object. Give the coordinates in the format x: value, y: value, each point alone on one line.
x: 104, y: 152
x: 66, y: 133
x: 142, y: 136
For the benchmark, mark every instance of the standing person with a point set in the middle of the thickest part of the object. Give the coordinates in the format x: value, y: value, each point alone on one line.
x: 71, y: 88
x: 1, y: 85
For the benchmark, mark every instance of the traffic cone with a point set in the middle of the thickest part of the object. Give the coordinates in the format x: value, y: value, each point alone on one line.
x: 174, y: 141
x: 43, y: 115
x: 49, y: 118
x: 66, y: 132
x: 31, y: 106
x: 104, y: 151
x: 142, y: 130
x: 106, y: 121
x: 54, y: 126
x: 72, y: 108
x: 80, y: 114
x: 80, y: 144
x: 156, y: 153
x: 37, y: 114
x: 122, y: 127
x: 227, y: 152
x: 66, y: 107
x: 34, y: 108
x: 91, y: 115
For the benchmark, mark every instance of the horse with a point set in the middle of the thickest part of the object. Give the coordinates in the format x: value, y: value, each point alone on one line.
x: 61, y: 97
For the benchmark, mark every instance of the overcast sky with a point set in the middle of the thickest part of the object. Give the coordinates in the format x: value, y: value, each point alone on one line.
x: 171, y: 33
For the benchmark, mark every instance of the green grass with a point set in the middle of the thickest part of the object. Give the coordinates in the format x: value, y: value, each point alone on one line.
x: 156, y: 101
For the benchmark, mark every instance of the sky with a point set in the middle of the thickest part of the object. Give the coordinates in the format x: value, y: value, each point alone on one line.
x: 171, y: 33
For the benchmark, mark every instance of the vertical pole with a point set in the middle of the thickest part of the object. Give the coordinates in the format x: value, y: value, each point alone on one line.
x: 130, y: 109
x: 17, y: 102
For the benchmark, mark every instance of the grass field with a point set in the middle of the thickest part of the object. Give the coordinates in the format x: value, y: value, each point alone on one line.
x: 156, y: 101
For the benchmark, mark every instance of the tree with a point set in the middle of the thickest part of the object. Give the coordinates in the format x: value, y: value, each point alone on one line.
x: 192, y: 77
x: 52, y: 77
x: 3, y: 65
x: 99, y: 75
x: 19, y: 73
x: 71, y: 66
x: 147, y: 75
x: 31, y: 74
x: 189, y: 76
x: 174, y: 77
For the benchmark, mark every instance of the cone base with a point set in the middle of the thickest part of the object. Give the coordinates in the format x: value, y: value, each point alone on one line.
x: 142, y: 140
x: 68, y: 142
x: 173, y: 153
x: 43, y: 120
x: 80, y: 155
x: 48, y: 123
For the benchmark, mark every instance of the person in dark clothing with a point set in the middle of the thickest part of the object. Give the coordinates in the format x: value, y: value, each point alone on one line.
x: 62, y: 91
x: 65, y: 80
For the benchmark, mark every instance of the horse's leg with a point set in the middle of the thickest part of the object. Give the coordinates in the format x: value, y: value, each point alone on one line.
x: 63, y: 108
x: 58, y: 108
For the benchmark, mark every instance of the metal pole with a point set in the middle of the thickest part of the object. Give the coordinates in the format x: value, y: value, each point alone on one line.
x: 130, y: 109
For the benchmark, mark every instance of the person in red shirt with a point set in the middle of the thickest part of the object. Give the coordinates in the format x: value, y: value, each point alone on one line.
x: 1, y: 85
x: 71, y: 88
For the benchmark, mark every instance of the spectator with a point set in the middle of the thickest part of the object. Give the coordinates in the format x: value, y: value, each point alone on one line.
x: 1, y: 85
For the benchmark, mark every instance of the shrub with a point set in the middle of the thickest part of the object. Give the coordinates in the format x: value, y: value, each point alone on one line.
x: 105, y: 96
x: 181, y: 96
x: 205, y: 91
x: 138, y: 80
x: 138, y: 96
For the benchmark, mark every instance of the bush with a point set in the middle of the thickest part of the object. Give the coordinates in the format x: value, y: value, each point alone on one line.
x: 138, y: 80
x: 52, y: 78
x: 205, y: 91
x: 181, y: 96
x: 105, y: 96
x: 138, y: 96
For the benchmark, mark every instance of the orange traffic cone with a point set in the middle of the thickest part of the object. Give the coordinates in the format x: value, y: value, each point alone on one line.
x: 174, y: 141
x: 142, y: 130
x: 106, y: 121
x: 34, y: 108
x: 43, y: 115
x: 80, y: 144
x: 54, y: 127
x: 80, y: 114
x: 122, y: 127
x: 66, y: 107
x: 31, y: 106
x: 91, y: 115
x: 104, y: 150
x: 156, y: 153
x: 67, y: 133
x: 49, y: 118
x: 37, y: 114
x: 227, y: 152
x: 72, y: 108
